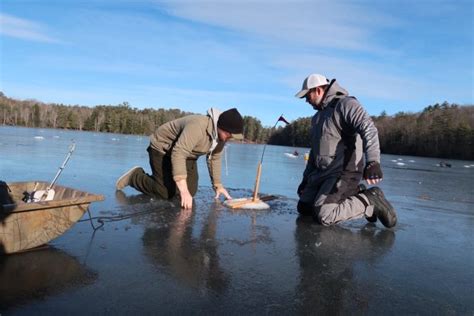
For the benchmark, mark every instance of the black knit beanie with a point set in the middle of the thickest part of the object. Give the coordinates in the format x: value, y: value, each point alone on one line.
x: 231, y: 121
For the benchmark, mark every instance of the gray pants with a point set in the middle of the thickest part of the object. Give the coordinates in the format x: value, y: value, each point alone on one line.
x: 332, y: 199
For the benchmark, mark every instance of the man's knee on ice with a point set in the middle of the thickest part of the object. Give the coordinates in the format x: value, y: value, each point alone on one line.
x: 323, y: 214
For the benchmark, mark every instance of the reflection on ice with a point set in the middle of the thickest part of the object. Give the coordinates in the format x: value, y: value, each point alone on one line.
x: 192, y: 260
x: 330, y: 260
x: 38, y: 274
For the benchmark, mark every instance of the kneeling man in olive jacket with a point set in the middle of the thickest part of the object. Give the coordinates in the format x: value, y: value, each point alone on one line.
x: 174, y: 149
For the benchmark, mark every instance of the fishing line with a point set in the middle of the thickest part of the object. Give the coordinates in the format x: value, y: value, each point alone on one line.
x: 225, y: 159
x: 265, y: 146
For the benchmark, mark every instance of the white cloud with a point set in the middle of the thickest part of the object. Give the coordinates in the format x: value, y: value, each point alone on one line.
x: 23, y: 29
x: 367, y: 79
x: 317, y: 24
x: 364, y: 77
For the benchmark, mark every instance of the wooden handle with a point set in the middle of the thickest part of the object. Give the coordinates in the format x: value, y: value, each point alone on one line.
x: 238, y: 204
x: 257, y: 182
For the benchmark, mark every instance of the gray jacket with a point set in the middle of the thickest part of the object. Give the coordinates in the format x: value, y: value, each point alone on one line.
x: 340, y: 133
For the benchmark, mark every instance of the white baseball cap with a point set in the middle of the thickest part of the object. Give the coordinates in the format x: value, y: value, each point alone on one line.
x: 312, y: 81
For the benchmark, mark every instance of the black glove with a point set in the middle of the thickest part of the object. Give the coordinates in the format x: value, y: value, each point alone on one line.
x: 372, y: 171
x: 302, y: 186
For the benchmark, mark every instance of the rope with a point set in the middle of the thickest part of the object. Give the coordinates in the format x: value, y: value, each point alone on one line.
x: 107, y: 219
x: 102, y: 220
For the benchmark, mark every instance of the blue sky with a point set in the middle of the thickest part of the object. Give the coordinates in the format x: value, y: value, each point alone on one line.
x: 253, y: 55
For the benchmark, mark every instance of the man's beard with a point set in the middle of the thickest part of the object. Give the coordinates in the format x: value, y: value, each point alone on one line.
x: 316, y: 107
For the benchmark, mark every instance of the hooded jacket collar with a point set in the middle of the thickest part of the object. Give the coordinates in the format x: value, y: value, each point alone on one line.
x: 214, y: 114
x: 335, y: 91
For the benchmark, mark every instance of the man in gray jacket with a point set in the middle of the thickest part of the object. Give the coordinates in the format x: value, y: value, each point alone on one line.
x: 342, y: 133
x: 174, y: 149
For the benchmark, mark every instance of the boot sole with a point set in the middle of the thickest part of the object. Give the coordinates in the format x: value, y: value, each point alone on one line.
x: 122, y: 182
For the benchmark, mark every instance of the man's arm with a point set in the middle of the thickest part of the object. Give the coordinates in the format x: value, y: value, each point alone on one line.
x: 214, y: 165
x: 360, y: 121
x: 182, y: 149
x: 186, y: 197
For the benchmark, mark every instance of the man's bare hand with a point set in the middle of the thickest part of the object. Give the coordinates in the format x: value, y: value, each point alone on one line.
x: 186, y: 197
x: 223, y: 191
x: 186, y: 200
x: 373, y: 181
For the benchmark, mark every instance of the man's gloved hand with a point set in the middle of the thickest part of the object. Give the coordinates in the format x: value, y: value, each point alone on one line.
x: 302, y: 186
x: 373, y: 173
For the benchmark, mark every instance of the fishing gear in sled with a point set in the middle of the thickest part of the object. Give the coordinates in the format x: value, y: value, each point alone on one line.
x: 48, y: 194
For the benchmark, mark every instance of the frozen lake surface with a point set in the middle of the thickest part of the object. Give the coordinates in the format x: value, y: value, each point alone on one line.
x: 151, y: 257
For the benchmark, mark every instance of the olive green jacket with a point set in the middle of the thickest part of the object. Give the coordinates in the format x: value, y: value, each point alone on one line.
x: 190, y: 137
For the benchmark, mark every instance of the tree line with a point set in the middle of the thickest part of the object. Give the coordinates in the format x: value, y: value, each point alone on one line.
x: 121, y: 118
x: 441, y: 130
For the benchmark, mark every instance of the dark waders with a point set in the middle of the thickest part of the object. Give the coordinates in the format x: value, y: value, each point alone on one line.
x: 160, y: 183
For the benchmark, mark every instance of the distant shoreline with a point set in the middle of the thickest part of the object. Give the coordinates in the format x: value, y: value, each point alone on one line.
x: 442, y: 160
